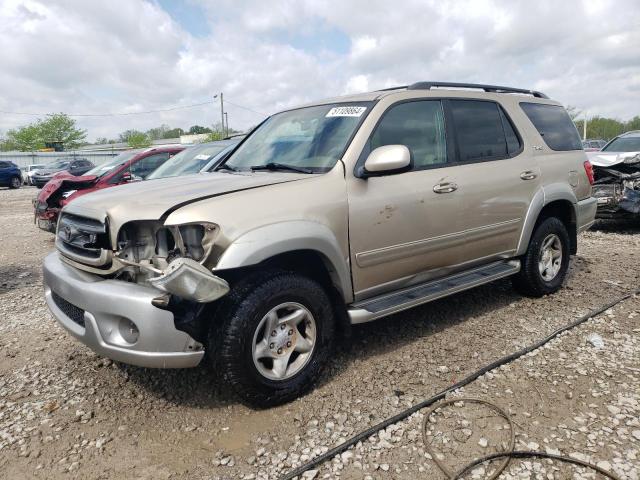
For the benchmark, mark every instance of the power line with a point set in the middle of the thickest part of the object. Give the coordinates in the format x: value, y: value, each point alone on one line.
x: 246, y: 108
x: 120, y: 114
x: 168, y: 109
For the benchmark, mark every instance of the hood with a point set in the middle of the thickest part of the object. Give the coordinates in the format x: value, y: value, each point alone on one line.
x: 49, y: 171
x: 608, y: 159
x: 63, y: 182
x: 155, y: 199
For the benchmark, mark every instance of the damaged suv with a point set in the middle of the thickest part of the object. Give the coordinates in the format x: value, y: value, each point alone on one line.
x: 327, y: 215
x: 617, y: 177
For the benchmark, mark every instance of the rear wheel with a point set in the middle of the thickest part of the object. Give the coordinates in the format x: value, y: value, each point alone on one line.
x: 16, y: 182
x: 272, y: 337
x: 545, y: 265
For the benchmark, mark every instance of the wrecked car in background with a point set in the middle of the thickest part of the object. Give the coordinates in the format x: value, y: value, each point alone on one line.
x: 131, y: 165
x: 617, y: 176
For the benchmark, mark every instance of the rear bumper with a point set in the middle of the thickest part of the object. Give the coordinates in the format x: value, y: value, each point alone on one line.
x: 105, y: 314
x: 586, y: 213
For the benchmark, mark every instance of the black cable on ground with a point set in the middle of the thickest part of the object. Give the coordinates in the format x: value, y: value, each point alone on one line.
x: 527, y: 454
x: 439, y: 396
x: 492, y: 406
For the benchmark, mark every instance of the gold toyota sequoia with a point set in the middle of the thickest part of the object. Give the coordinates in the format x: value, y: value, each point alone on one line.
x: 334, y: 213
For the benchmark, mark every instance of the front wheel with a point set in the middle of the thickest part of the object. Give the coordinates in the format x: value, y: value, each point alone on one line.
x: 274, y: 337
x: 16, y: 182
x: 545, y: 265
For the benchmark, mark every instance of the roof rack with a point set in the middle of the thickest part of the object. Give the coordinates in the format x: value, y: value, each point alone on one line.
x: 486, y: 88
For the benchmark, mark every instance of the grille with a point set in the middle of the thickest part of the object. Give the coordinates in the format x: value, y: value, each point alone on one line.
x: 82, y: 239
x: 69, y: 309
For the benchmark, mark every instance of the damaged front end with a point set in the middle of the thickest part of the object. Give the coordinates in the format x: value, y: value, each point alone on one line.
x: 50, y: 199
x: 617, y: 188
x: 170, y: 258
x: 174, y: 259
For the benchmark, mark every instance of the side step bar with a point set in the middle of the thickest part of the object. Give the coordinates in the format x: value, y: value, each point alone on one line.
x: 389, y: 303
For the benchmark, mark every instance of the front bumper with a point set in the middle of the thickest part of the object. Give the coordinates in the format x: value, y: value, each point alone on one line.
x: 616, y: 201
x: 104, y: 314
x: 586, y: 213
x: 40, y: 181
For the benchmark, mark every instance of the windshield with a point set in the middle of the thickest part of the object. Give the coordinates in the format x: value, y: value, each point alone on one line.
x: 58, y: 164
x: 116, y: 161
x: 623, y: 144
x: 313, y: 138
x: 188, y: 161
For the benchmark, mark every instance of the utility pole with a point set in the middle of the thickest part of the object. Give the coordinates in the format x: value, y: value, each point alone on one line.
x: 222, y: 113
x: 584, y: 127
x: 226, y: 129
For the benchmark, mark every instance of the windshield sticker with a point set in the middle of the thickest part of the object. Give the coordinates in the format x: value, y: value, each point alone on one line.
x: 346, y: 111
x: 202, y: 156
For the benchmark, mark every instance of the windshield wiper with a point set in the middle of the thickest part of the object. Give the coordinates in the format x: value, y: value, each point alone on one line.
x: 224, y: 166
x: 272, y: 166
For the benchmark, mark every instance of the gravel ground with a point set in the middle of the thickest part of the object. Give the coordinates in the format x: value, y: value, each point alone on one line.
x: 67, y: 413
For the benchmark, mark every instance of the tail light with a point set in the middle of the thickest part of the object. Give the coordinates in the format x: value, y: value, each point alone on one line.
x: 588, y: 168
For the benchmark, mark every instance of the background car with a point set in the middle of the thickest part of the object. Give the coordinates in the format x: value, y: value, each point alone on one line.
x: 10, y: 175
x: 131, y: 165
x: 617, y: 176
x: 593, y: 145
x: 75, y: 167
x: 195, y: 159
x: 28, y: 171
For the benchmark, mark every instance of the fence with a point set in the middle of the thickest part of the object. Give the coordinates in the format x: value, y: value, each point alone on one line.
x: 22, y: 159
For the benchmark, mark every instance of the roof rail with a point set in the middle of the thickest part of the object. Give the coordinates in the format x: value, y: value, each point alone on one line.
x: 486, y: 88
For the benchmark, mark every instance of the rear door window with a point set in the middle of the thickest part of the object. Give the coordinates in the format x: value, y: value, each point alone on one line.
x: 554, y: 125
x: 479, y: 131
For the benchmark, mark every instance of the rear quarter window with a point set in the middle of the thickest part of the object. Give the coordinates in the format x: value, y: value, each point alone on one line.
x: 554, y: 125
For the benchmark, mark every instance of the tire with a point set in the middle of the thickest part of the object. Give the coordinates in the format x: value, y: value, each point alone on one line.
x: 242, y: 322
x: 534, y: 280
x: 15, y: 183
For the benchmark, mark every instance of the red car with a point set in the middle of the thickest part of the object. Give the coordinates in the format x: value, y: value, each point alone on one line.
x: 131, y: 165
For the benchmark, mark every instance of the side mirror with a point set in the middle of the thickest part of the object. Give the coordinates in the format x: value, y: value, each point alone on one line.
x: 387, y: 160
x: 126, y: 177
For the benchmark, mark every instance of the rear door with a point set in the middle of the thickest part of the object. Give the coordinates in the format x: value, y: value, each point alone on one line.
x: 497, y: 178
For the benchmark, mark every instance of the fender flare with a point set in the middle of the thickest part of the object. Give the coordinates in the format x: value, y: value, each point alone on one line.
x: 542, y: 198
x: 268, y: 241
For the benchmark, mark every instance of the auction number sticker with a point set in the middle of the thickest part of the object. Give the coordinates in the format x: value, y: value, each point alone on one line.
x: 349, y: 111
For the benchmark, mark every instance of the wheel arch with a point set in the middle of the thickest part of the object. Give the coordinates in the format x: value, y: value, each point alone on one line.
x: 303, y: 246
x: 557, y: 202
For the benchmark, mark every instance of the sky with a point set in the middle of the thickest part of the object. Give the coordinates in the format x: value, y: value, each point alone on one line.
x: 131, y: 56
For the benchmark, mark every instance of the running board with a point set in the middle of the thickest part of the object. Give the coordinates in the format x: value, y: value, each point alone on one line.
x: 389, y: 303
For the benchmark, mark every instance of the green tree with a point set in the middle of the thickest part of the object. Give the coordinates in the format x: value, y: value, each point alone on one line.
x: 138, y: 140
x: 198, y: 130
x: 633, y: 124
x: 60, y: 128
x: 158, y: 132
x: 24, y: 139
x: 173, y: 133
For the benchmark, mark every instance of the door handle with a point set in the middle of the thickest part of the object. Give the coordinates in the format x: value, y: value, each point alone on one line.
x: 528, y: 175
x: 445, y: 187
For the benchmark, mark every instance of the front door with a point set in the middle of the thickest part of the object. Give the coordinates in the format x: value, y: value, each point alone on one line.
x: 404, y: 227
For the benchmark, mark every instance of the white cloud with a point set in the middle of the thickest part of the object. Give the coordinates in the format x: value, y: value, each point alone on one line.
x: 131, y: 55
